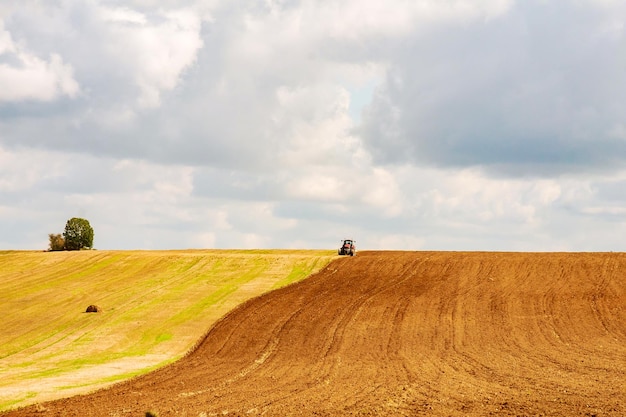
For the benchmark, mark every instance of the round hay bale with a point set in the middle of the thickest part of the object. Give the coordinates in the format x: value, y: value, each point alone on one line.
x: 93, y: 309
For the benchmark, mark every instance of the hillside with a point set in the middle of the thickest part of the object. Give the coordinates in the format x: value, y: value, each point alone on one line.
x: 156, y: 304
x: 405, y: 334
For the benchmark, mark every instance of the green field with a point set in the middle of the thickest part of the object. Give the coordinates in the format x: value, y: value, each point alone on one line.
x: 156, y: 305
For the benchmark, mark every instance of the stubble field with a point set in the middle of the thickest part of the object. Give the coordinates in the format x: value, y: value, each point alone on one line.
x: 156, y: 305
x: 407, y: 334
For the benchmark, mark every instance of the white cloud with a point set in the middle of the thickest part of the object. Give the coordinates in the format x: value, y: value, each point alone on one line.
x: 395, y: 241
x: 491, y: 124
x: 470, y: 197
x: 155, y: 53
x: 319, y: 187
x: 358, y: 20
x: 30, y: 77
x: 42, y: 167
x: 617, y: 211
x: 204, y: 240
x: 381, y: 190
x: 121, y: 15
x: 252, y: 241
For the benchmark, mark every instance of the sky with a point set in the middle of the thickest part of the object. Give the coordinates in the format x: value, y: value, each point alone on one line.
x: 494, y: 125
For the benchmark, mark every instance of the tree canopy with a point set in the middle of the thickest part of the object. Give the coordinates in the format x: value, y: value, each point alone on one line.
x: 78, y: 234
x: 56, y: 242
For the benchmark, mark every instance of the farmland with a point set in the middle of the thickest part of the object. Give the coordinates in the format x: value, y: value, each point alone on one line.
x: 156, y: 305
x: 403, y: 334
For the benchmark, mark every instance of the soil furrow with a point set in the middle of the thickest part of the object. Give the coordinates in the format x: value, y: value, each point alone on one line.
x: 406, y: 334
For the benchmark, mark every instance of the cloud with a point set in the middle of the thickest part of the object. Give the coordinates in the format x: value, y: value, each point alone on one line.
x: 155, y: 53
x: 494, y: 124
x: 25, y: 76
x: 532, y: 91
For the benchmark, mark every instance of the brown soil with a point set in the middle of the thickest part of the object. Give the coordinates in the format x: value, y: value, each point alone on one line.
x: 404, y: 334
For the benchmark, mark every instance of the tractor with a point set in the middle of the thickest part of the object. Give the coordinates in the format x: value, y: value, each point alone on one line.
x: 348, y: 247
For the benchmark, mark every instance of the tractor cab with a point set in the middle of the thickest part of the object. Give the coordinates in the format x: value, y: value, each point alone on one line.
x: 348, y: 247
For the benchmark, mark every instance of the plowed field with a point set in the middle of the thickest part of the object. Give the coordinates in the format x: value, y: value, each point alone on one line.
x: 404, y: 333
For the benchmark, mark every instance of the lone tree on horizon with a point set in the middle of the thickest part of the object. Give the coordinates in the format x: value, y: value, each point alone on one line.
x: 78, y: 234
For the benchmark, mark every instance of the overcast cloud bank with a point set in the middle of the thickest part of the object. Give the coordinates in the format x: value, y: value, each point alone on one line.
x: 483, y: 125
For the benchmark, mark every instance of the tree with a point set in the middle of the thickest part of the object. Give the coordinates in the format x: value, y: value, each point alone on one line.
x: 56, y: 242
x: 78, y: 234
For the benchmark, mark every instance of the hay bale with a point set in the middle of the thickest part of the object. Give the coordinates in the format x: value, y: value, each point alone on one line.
x: 93, y: 309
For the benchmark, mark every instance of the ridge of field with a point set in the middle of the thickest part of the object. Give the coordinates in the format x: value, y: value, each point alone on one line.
x: 156, y: 305
x: 403, y: 334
